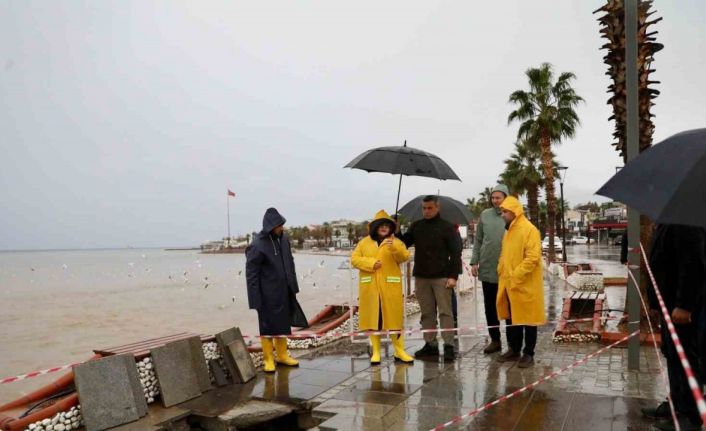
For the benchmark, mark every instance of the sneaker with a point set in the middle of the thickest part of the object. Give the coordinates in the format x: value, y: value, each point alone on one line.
x: 449, y: 354
x: 660, y: 412
x: 526, y: 361
x: 427, y: 350
x: 684, y: 424
x: 509, y: 356
x: 492, y: 347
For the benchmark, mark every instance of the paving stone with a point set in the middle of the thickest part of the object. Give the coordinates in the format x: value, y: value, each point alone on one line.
x: 137, y: 388
x: 106, y: 392
x: 247, y: 414
x: 218, y: 373
x: 240, y: 356
x: 177, y: 377
x: 198, y: 361
x: 242, y: 369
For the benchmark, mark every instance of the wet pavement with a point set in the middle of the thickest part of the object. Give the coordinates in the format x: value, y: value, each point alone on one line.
x: 340, y: 390
x: 599, y: 395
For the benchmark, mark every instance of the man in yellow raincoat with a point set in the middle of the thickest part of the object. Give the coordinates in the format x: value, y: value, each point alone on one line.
x: 378, y: 257
x: 520, y: 298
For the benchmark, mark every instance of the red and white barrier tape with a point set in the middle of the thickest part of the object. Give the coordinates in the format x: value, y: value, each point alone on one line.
x: 665, y: 380
x: 422, y: 331
x: 693, y: 383
x: 316, y: 336
x: 474, y: 412
x: 38, y: 373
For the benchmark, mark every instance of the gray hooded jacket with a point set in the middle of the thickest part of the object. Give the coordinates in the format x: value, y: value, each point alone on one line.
x: 489, y: 238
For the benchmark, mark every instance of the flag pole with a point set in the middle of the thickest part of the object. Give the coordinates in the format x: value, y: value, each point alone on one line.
x: 228, y: 209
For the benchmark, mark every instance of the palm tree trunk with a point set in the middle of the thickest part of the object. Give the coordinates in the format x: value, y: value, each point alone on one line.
x: 533, y: 203
x: 548, y: 165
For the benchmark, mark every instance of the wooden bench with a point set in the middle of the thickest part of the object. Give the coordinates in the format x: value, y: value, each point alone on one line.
x: 580, y: 305
x: 142, y: 348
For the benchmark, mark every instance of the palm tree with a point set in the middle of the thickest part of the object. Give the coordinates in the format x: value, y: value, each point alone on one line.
x: 351, y: 233
x: 613, y: 29
x: 546, y: 113
x: 523, y: 175
x: 327, y: 234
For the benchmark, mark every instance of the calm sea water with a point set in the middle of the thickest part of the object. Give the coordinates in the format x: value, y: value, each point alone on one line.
x: 60, y: 305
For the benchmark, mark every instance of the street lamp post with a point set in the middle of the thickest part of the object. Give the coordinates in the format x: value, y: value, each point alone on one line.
x: 562, y: 177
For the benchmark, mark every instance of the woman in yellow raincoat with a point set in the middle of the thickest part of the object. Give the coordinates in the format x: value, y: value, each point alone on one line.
x: 378, y: 257
x: 520, y: 298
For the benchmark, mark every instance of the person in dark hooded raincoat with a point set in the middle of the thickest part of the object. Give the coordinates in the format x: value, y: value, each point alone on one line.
x: 272, y: 286
x: 678, y: 264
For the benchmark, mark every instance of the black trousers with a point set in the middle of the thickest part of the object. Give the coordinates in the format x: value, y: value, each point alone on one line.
x: 490, y: 294
x: 517, y: 334
x: 679, y: 388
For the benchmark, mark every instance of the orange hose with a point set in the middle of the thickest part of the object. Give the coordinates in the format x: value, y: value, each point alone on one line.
x: 43, y: 392
x: 21, y: 424
x: 8, y: 423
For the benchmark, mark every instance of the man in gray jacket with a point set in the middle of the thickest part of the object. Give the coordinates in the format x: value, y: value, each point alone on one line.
x: 484, y: 262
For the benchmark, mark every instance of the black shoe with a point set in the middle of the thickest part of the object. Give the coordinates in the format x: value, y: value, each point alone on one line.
x: 684, y: 424
x: 509, y: 356
x: 449, y: 354
x: 661, y: 411
x: 492, y: 347
x: 526, y: 361
x: 427, y: 350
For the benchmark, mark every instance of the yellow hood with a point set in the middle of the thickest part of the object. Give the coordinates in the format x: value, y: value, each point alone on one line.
x: 380, y: 216
x: 512, y: 204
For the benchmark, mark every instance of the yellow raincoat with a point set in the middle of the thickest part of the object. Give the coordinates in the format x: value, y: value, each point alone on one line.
x: 520, y: 271
x: 381, y: 289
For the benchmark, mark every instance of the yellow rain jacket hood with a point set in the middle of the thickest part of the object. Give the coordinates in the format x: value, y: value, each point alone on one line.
x: 380, y: 289
x: 521, y: 281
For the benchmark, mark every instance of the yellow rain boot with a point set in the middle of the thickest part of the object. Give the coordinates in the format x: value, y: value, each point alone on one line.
x: 375, y: 343
x: 282, y: 353
x: 268, y: 356
x: 400, y: 354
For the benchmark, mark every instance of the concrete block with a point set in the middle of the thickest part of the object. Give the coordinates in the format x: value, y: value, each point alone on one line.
x: 177, y: 378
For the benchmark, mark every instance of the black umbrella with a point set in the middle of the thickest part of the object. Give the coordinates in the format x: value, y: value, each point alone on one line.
x: 666, y: 182
x: 452, y: 210
x: 403, y: 160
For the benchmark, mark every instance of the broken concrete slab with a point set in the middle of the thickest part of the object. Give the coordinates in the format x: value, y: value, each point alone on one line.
x: 175, y: 372
x: 106, y: 392
x: 135, y: 384
x: 218, y: 374
x: 242, y: 360
x: 239, y: 364
x: 198, y: 360
x: 245, y: 415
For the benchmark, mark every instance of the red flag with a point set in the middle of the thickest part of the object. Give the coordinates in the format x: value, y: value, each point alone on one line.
x: 231, y: 193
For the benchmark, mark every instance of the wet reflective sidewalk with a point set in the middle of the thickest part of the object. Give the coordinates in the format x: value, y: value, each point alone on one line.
x: 344, y: 392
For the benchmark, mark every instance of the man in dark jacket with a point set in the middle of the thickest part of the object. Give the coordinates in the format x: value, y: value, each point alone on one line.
x: 272, y: 285
x: 437, y: 263
x: 677, y: 261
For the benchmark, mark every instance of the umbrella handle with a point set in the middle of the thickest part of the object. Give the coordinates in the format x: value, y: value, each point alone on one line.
x: 397, y: 204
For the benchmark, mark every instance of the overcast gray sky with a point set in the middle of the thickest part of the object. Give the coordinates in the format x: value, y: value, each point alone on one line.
x: 123, y: 123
